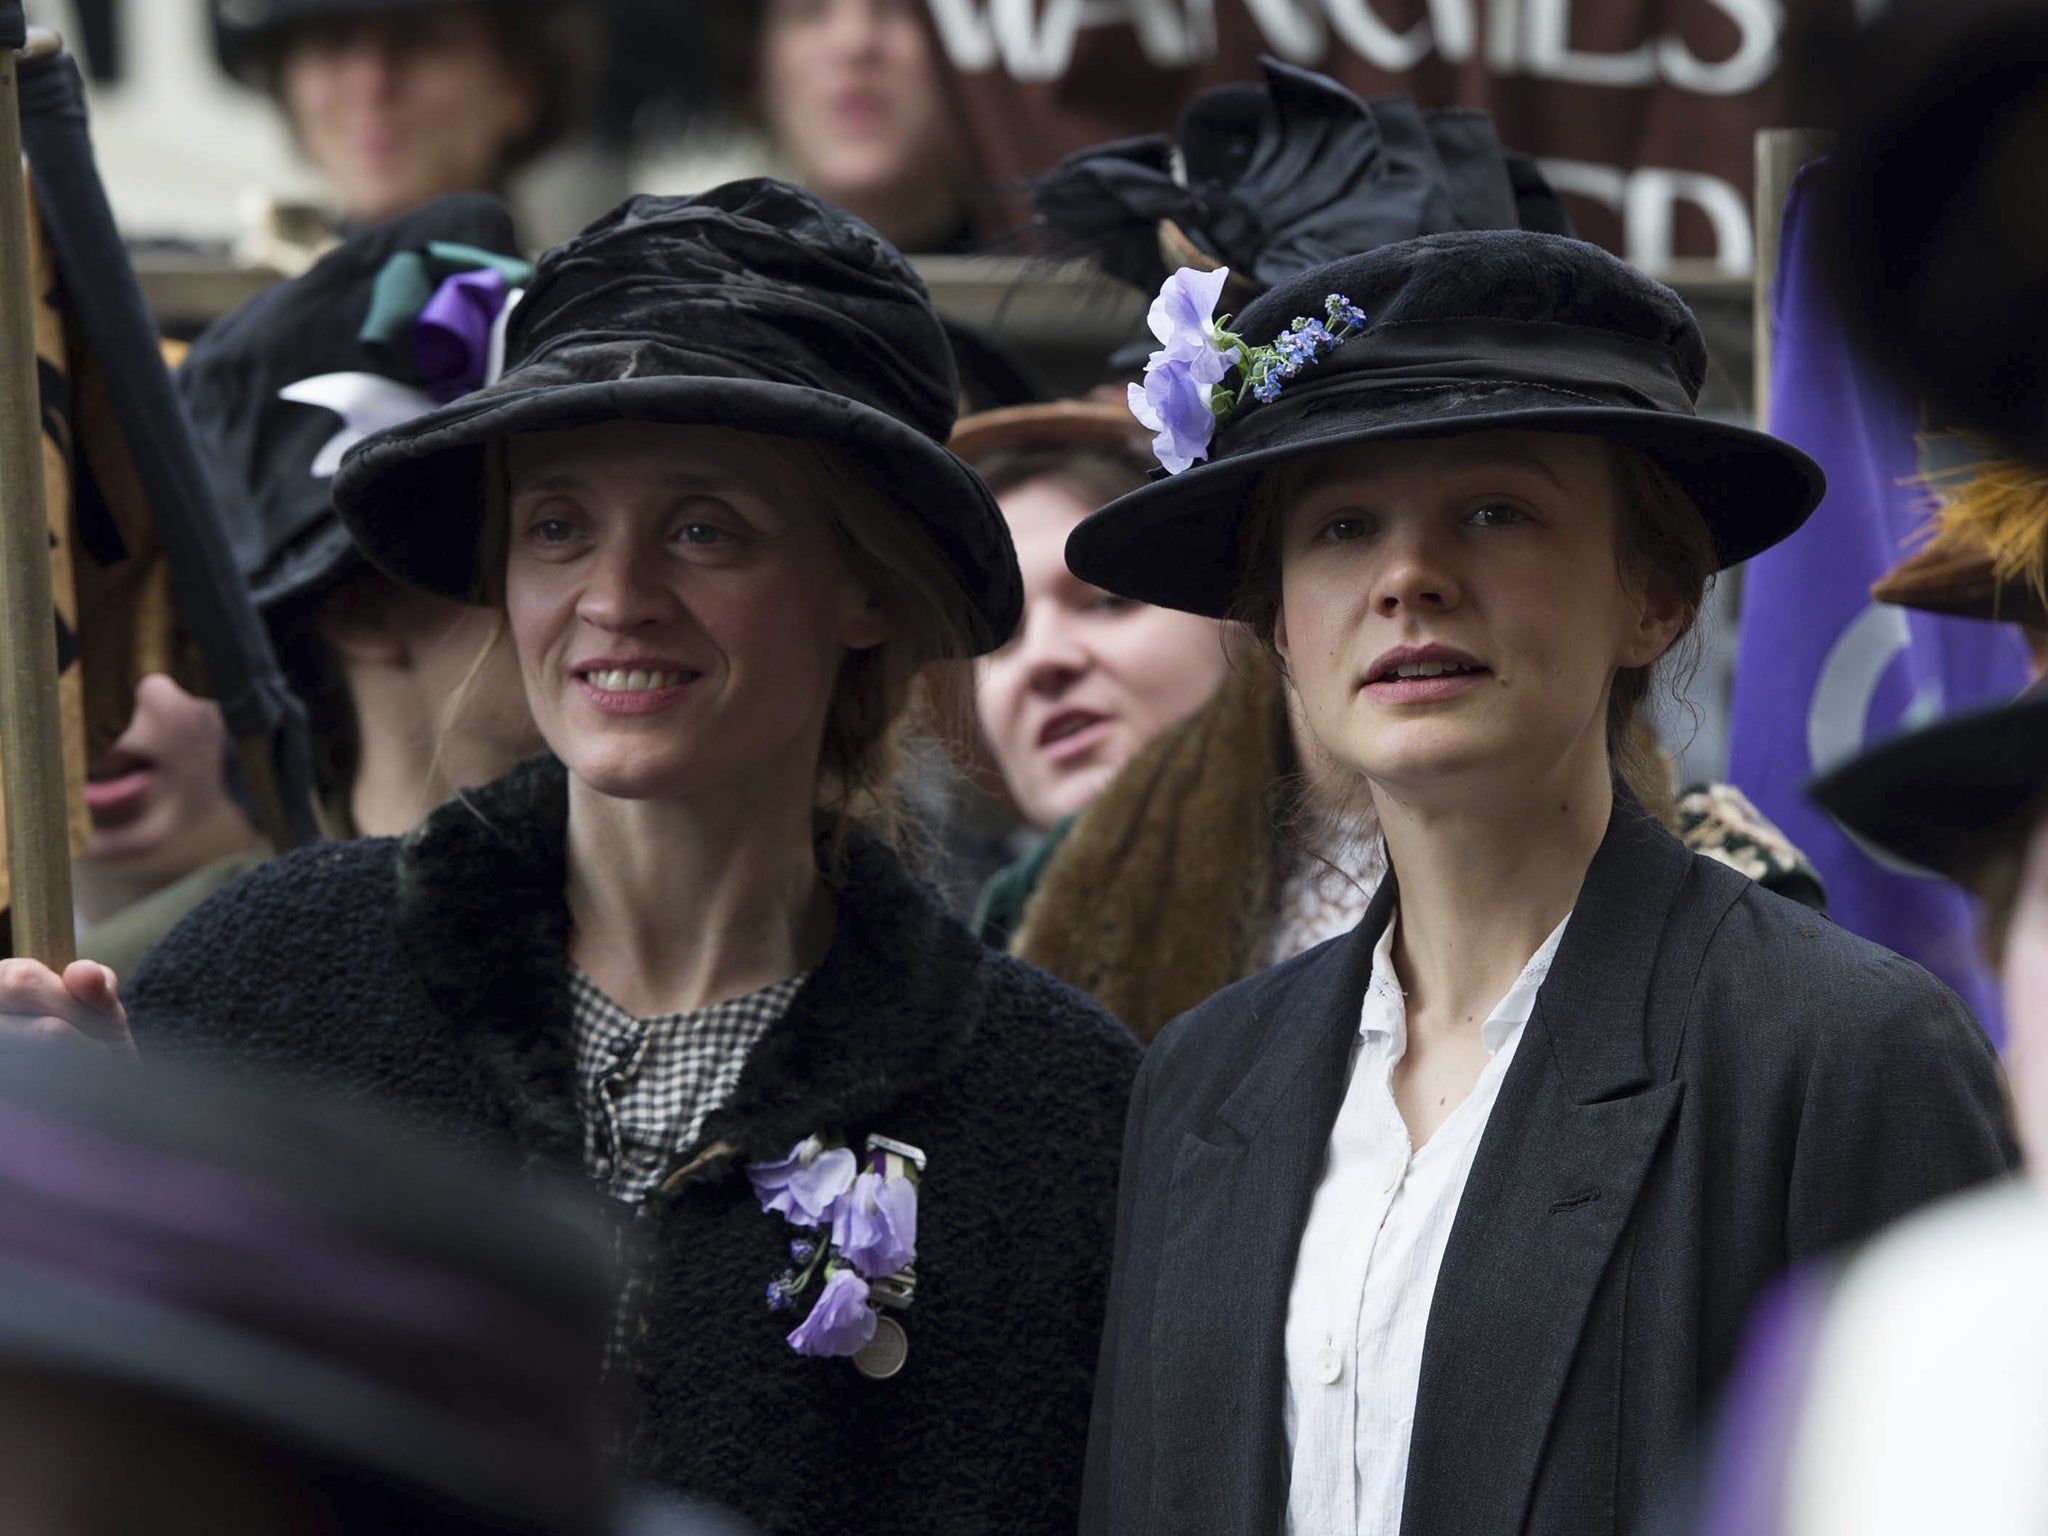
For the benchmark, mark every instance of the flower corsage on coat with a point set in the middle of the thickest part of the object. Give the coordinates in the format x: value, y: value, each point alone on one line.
x: 856, y: 1243
x: 1185, y: 396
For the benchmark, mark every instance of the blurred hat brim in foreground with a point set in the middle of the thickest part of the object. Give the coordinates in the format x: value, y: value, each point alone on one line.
x: 350, y: 1297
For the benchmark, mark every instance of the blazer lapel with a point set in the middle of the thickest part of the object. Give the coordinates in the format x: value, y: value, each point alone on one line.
x: 1564, y: 1156
x: 1239, y: 1197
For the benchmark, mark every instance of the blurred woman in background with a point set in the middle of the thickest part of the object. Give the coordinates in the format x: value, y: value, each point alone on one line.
x: 398, y: 102
x: 1089, y: 677
x: 849, y: 95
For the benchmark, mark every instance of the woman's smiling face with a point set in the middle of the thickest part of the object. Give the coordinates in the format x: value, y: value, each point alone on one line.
x: 680, y: 605
x: 1453, y: 609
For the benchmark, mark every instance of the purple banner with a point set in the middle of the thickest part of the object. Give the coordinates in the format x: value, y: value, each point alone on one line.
x: 1821, y: 670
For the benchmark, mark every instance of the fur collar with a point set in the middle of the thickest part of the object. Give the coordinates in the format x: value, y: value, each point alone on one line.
x: 1162, y: 891
x: 485, y: 926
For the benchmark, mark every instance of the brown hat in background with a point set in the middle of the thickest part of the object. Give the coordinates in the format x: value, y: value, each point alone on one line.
x: 1986, y: 556
x: 1099, y: 419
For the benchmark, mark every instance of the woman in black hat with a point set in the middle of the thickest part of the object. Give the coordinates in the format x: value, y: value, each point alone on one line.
x: 398, y: 102
x: 392, y: 322
x: 1450, y: 1225
x: 870, y: 1163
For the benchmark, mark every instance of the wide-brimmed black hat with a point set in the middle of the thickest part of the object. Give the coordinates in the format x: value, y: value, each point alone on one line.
x: 277, y: 388
x: 387, y: 1318
x: 1470, y: 331
x: 1948, y: 795
x: 754, y: 306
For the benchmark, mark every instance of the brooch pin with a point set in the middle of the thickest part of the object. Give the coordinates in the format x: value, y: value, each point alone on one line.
x: 858, y: 1244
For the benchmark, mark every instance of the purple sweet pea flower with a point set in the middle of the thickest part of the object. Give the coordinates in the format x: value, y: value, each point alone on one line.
x: 452, y: 337
x: 841, y: 1321
x: 803, y: 1186
x: 875, y: 1227
x: 1173, y: 402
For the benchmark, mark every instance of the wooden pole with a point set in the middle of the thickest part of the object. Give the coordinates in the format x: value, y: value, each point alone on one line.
x: 31, y: 732
x: 1780, y: 152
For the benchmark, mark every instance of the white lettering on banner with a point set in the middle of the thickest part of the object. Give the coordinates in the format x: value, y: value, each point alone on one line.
x: 1548, y: 54
x: 1456, y: 29
x: 1647, y: 199
x: 1293, y: 29
x: 1503, y: 35
x: 1031, y: 45
x: 1650, y: 210
x: 1755, y: 59
x: 1361, y: 29
x: 1034, y: 39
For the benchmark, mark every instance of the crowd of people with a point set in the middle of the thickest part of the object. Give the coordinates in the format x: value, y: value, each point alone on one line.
x: 892, y: 954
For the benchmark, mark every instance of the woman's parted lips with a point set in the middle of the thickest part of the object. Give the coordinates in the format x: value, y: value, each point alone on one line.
x: 117, y: 763
x: 1062, y: 723
x: 1420, y: 661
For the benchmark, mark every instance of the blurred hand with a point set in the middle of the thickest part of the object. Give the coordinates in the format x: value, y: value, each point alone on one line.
x: 82, y: 1004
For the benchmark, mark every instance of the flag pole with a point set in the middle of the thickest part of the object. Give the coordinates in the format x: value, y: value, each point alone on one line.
x: 31, y: 739
x: 1780, y: 152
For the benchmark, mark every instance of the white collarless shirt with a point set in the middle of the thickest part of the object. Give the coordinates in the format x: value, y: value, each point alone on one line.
x: 1367, y: 1266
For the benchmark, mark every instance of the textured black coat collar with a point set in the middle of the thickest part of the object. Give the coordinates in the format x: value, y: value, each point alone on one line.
x: 485, y: 925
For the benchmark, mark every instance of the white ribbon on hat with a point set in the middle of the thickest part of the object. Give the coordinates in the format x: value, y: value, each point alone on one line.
x: 494, y: 350
x: 367, y: 403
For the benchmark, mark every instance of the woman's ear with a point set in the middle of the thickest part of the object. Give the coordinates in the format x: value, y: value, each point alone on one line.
x: 1280, y: 637
x: 1658, y: 619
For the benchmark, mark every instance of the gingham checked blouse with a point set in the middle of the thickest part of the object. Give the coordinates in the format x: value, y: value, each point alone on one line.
x: 645, y: 1086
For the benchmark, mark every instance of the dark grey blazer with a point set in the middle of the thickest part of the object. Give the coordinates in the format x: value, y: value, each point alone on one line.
x: 1716, y: 1083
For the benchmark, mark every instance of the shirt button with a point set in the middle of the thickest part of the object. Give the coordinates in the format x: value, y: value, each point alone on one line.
x: 1329, y: 1364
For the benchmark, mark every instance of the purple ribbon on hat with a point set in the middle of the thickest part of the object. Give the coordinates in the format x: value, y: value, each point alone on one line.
x: 452, y: 337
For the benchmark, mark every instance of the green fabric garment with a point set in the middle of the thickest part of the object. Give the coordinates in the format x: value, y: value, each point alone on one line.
x: 123, y: 939
x: 1001, y: 906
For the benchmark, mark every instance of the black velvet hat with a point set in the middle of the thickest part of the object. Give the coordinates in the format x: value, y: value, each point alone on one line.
x: 1948, y: 795
x: 279, y: 386
x: 404, y: 1328
x: 1464, y: 332
x: 754, y: 306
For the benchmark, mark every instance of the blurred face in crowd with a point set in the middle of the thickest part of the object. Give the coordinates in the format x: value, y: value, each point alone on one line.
x: 1089, y: 677
x: 681, y: 607
x: 852, y: 96
x: 1453, y: 610
x: 400, y: 107
x: 438, y: 703
x: 2024, y: 974
x: 158, y: 799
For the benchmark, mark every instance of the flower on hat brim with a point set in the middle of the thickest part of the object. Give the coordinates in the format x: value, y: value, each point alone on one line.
x: 1183, y: 397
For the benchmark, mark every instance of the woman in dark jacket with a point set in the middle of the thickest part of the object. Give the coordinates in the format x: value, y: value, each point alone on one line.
x: 1450, y: 1225
x: 872, y: 1163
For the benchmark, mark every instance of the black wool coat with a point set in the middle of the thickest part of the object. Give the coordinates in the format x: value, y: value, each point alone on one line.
x: 431, y: 975
x: 1716, y: 1083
